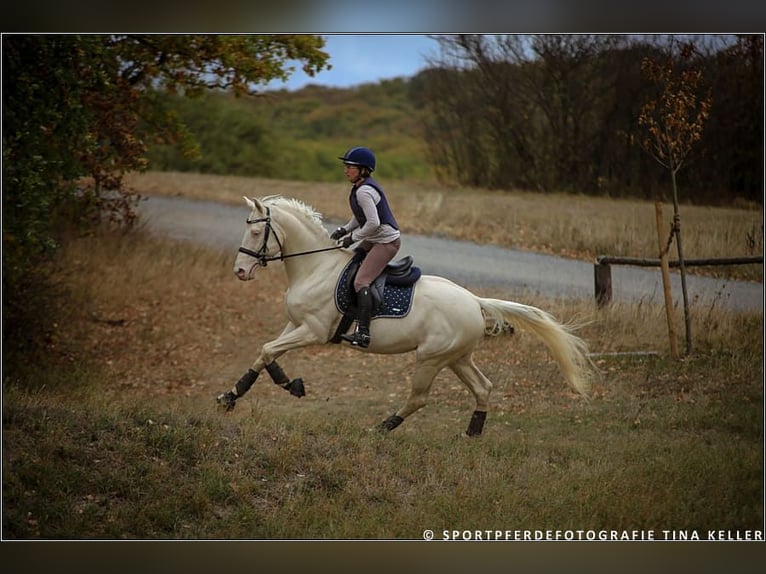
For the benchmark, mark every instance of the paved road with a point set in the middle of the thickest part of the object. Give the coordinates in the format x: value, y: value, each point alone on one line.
x: 467, y: 263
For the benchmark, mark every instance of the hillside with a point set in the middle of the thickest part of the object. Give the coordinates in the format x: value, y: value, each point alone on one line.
x: 299, y: 135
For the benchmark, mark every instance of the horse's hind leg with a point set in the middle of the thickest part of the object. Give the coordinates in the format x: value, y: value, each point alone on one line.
x: 425, y: 372
x: 479, y: 385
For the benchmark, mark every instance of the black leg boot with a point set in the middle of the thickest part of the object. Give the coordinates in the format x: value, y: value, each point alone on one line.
x: 361, y: 335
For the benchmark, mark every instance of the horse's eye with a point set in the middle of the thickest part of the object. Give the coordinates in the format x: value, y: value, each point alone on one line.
x: 255, y: 232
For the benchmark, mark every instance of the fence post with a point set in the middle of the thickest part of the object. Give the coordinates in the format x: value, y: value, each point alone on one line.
x: 602, y: 275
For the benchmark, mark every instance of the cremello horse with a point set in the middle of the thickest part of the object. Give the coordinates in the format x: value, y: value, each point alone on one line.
x: 445, y: 323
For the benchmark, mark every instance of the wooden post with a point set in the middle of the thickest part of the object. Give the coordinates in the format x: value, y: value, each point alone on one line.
x: 602, y: 275
x: 663, y: 245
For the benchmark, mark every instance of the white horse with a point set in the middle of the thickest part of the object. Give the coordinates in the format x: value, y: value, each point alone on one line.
x: 443, y: 327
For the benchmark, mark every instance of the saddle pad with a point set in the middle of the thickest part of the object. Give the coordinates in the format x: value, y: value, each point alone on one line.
x: 397, y: 300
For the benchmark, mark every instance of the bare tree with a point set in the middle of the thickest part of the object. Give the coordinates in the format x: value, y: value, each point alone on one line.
x: 673, y: 120
x: 539, y: 100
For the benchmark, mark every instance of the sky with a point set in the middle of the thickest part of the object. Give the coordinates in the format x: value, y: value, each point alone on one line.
x: 366, y: 58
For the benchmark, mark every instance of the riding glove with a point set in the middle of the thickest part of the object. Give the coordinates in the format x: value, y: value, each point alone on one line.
x: 347, y: 241
x: 338, y: 233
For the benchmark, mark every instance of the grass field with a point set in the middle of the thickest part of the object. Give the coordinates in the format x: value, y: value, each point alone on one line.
x: 113, y: 432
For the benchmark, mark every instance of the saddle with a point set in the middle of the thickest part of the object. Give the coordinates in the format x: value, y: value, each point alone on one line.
x: 391, y: 291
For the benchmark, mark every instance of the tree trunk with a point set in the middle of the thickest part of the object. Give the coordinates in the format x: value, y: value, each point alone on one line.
x: 682, y: 267
x: 664, y: 248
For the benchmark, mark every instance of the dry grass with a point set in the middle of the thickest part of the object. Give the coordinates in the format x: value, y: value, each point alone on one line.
x: 573, y: 226
x: 115, y: 434
x: 118, y: 435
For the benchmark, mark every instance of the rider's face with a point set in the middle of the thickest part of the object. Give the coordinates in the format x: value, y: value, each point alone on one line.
x: 351, y: 172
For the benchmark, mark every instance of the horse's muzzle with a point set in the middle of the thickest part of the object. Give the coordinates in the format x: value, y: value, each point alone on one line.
x: 243, y: 273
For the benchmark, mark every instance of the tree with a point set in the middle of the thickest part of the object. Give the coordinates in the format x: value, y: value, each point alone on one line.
x: 533, y: 111
x: 79, y: 112
x: 734, y: 131
x: 673, y: 120
x: 77, y: 106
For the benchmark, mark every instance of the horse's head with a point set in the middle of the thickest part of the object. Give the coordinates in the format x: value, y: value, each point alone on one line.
x: 259, y: 243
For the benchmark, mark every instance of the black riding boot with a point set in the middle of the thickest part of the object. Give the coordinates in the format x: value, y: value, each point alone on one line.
x: 361, y: 335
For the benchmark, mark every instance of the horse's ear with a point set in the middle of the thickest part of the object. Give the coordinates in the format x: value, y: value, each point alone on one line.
x: 252, y: 203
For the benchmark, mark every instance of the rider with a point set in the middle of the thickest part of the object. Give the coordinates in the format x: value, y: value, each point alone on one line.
x: 374, y: 225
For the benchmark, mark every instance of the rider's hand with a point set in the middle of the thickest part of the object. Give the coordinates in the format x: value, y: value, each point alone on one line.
x: 347, y: 241
x: 338, y: 233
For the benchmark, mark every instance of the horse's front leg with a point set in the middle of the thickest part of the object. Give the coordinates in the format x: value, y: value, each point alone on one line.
x: 292, y: 337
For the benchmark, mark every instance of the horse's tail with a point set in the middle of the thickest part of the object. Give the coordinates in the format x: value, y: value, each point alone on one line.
x: 569, y: 350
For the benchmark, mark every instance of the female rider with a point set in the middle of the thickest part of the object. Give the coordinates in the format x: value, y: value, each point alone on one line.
x: 373, y: 225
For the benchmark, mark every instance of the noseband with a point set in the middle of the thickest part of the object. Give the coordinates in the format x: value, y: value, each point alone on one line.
x: 261, y: 256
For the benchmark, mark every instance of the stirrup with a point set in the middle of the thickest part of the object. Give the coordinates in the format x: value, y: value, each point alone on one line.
x: 358, y: 339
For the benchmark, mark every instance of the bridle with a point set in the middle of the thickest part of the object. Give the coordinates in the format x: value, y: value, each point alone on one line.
x: 261, y: 256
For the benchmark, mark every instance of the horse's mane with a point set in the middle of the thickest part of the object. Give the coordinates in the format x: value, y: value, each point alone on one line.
x: 293, y: 204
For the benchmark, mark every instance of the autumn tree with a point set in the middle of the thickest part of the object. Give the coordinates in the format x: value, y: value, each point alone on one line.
x: 673, y: 120
x: 76, y: 106
x: 80, y: 110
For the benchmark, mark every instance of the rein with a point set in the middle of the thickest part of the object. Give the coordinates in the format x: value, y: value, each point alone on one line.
x: 260, y: 255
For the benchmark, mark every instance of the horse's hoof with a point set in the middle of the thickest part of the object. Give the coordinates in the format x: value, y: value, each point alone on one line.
x: 227, y: 400
x: 390, y: 423
x: 296, y: 388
